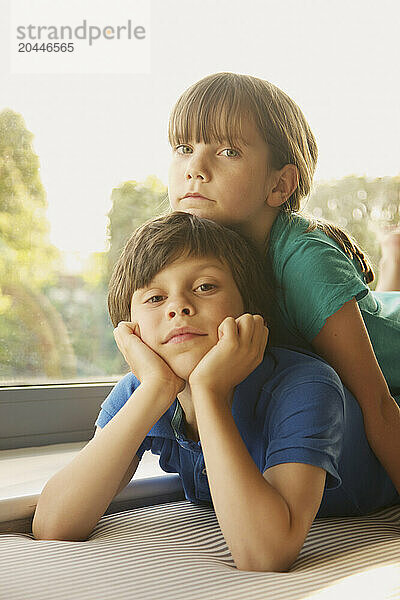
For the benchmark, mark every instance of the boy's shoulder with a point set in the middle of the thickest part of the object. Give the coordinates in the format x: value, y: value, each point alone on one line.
x: 284, y: 367
x: 127, y: 384
x: 119, y: 394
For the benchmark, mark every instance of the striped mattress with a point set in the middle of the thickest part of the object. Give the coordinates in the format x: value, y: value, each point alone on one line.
x: 177, y: 551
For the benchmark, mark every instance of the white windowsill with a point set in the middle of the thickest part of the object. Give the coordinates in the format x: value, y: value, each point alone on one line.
x: 25, y: 471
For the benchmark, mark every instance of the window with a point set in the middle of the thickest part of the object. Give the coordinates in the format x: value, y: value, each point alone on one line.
x: 84, y: 160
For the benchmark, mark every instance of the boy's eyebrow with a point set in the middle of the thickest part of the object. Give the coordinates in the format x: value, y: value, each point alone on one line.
x: 202, y: 267
x: 216, y: 265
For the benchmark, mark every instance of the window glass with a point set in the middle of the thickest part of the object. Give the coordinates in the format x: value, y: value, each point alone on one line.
x: 84, y: 159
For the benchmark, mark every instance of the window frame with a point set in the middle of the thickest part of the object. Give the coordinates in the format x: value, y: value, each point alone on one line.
x: 39, y: 415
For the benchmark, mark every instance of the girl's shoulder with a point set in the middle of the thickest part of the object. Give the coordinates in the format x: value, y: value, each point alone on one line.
x: 291, y: 231
x: 313, y: 276
x: 293, y: 243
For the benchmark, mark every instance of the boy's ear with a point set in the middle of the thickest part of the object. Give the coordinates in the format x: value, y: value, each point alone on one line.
x: 286, y: 181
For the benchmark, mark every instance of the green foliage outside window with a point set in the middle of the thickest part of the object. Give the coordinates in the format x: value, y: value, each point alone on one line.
x: 32, y: 332
x: 361, y: 206
x: 55, y: 326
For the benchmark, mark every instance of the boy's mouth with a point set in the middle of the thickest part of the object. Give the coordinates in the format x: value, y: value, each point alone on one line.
x: 182, y: 338
x: 181, y: 334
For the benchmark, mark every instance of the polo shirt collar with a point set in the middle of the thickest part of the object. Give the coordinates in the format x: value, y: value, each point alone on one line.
x: 245, y: 399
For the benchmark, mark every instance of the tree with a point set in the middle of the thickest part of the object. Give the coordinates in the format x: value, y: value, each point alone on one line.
x: 32, y: 333
x: 359, y: 205
x: 133, y: 203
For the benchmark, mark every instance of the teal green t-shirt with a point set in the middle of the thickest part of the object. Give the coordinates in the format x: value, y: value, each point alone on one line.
x: 314, y: 278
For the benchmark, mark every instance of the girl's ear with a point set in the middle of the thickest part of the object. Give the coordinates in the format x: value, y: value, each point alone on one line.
x: 286, y: 181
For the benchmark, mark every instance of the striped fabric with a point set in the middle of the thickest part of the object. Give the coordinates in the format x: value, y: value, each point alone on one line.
x: 177, y: 551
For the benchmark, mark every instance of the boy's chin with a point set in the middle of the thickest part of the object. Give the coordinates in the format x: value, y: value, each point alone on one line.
x: 184, y: 370
x: 184, y: 373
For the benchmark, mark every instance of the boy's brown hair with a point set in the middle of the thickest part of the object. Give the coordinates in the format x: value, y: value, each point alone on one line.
x: 161, y: 241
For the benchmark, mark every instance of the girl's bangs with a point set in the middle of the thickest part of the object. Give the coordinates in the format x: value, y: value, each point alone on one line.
x: 212, y: 115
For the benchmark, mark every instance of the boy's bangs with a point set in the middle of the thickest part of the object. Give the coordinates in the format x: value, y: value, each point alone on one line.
x: 146, y: 270
x: 210, y: 115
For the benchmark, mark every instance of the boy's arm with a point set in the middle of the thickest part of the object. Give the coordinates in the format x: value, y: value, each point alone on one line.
x: 75, y: 498
x: 130, y: 471
x: 264, y: 518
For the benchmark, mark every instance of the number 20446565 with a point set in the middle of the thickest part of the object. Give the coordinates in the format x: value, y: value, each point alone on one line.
x: 49, y: 47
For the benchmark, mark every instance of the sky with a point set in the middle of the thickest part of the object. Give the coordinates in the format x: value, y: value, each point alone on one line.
x: 339, y: 60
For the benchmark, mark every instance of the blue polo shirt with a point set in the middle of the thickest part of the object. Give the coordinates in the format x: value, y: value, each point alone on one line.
x: 291, y: 408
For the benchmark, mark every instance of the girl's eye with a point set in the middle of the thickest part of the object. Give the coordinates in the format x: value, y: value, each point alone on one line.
x: 230, y: 153
x: 154, y: 299
x: 183, y: 149
x: 206, y: 287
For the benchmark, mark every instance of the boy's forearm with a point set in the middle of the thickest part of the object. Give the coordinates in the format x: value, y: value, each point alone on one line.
x: 253, y: 517
x: 76, y: 497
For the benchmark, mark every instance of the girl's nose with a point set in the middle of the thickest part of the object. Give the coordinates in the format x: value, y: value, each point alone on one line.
x: 197, y: 169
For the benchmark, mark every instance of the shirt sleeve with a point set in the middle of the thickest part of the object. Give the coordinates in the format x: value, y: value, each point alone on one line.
x: 115, y: 400
x: 305, y: 424
x: 317, y: 280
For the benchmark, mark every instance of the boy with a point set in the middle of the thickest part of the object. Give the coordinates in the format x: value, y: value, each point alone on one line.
x: 271, y: 439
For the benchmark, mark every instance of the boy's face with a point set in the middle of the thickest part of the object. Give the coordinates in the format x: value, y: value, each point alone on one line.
x: 196, y: 293
x: 231, y: 184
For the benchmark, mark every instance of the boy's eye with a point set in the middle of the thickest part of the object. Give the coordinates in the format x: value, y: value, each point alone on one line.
x: 183, y: 149
x: 154, y: 299
x: 230, y: 152
x: 205, y: 287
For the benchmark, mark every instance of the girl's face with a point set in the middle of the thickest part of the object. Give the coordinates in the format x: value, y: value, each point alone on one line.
x: 225, y: 184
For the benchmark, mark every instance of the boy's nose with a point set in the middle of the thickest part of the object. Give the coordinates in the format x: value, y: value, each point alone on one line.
x: 179, y: 311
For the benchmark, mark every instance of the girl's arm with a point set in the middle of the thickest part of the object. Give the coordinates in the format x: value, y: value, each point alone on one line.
x: 344, y: 343
x: 264, y: 517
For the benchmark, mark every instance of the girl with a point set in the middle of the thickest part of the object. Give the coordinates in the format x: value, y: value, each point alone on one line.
x: 244, y: 155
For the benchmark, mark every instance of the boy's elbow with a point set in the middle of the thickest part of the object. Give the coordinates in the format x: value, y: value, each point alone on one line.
x: 41, y: 532
x: 58, y: 537
x: 265, y: 565
x: 278, y: 559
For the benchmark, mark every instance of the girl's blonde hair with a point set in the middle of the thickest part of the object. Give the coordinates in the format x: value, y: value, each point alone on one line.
x: 214, y: 109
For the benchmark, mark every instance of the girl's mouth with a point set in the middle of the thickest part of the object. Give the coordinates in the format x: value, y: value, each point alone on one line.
x: 196, y: 196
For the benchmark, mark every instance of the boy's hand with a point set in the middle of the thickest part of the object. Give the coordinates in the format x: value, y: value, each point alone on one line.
x: 239, y: 350
x: 142, y: 360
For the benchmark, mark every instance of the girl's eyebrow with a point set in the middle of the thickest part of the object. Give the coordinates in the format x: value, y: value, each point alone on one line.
x: 234, y: 142
x: 218, y: 142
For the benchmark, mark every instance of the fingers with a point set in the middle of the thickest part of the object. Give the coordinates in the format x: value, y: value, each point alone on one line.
x: 228, y: 329
x: 253, y: 332
x: 127, y: 327
x: 246, y: 326
x: 260, y: 337
x: 246, y: 330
